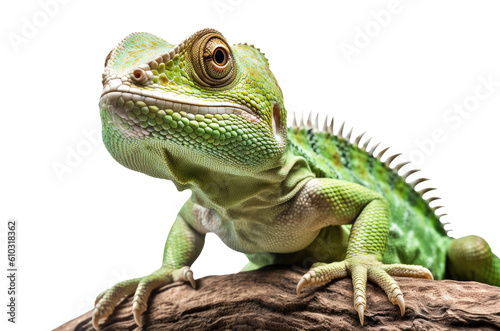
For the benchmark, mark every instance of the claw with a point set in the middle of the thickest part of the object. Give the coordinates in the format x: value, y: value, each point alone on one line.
x: 301, y: 285
x: 361, y: 313
x: 137, y: 314
x: 428, y: 274
x: 184, y: 274
x: 188, y: 274
x: 401, y: 303
x: 98, y: 314
x: 95, y: 319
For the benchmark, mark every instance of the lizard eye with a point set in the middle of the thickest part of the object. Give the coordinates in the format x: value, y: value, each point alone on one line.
x: 220, y: 56
x: 216, y: 59
x: 213, y: 61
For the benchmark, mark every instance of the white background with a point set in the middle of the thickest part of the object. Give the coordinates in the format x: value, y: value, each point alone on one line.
x: 101, y: 223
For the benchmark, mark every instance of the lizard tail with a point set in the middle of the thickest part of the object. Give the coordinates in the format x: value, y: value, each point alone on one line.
x: 471, y: 258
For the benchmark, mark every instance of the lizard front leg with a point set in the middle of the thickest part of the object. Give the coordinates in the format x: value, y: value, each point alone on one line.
x: 339, y: 202
x: 183, y: 246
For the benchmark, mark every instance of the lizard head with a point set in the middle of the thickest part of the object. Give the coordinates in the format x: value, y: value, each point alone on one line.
x: 201, y: 101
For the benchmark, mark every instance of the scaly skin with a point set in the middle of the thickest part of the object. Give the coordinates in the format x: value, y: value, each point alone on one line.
x: 210, y: 117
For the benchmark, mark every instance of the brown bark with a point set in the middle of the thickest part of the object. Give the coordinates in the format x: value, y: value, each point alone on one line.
x: 265, y: 299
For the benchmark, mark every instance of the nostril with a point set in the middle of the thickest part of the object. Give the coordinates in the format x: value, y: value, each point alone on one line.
x: 139, y: 76
x: 138, y: 73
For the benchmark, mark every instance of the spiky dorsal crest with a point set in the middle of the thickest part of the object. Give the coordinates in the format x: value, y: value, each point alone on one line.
x: 298, y: 122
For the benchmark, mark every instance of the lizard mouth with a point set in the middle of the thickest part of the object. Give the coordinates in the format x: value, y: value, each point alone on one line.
x: 115, y: 90
x: 141, y: 113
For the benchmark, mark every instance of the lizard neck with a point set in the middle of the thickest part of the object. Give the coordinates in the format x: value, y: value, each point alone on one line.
x: 226, y: 188
x: 236, y: 193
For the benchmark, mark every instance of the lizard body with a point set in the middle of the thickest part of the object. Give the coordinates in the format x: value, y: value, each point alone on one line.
x: 211, y: 118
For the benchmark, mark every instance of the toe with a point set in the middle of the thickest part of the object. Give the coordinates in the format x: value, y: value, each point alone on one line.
x: 109, y: 299
x: 143, y: 292
x: 407, y: 270
x: 389, y: 285
x: 359, y: 277
x: 99, y: 297
x: 321, y: 274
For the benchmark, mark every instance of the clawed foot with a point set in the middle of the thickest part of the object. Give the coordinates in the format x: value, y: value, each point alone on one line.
x: 107, y: 301
x: 361, y: 269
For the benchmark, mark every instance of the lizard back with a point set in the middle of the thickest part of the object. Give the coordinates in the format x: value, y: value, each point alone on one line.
x: 414, y: 223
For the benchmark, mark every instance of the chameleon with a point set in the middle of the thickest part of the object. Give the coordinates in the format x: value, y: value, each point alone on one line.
x: 211, y: 118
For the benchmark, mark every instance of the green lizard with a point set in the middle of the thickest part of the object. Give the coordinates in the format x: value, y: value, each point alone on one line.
x: 210, y: 117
